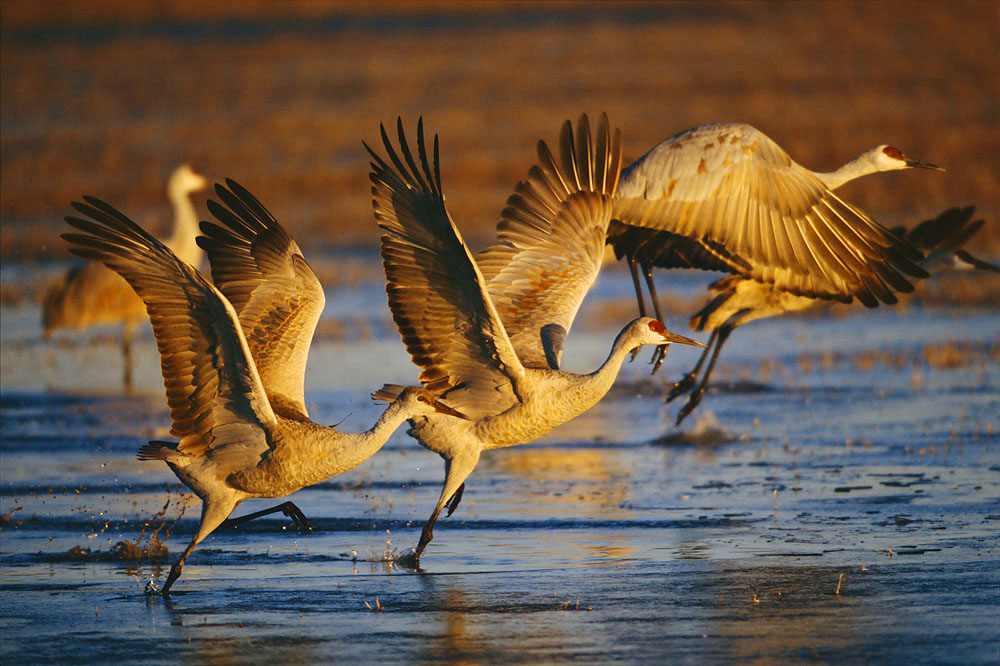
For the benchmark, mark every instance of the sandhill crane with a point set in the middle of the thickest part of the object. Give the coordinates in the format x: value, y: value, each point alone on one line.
x: 740, y: 300
x: 726, y: 197
x: 233, y: 366
x: 488, y: 333
x: 91, y: 294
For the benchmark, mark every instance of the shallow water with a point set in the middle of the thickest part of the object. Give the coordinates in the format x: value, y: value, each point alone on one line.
x: 841, y: 505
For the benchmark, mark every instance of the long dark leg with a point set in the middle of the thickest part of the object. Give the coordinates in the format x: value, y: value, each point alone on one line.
x: 638, y: 295
x: 686, y: 383
x: 455, y: 500
x: 696, y: 395
x: 456, y: 471
x: 127, y: 354
x: 288, y: 508
x: 660, y: 353
x: 212, y: 515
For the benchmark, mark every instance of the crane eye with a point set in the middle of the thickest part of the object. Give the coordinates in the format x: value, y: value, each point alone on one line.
x: 422, y: 398
x: 657, y: 327
x: 894, y: 153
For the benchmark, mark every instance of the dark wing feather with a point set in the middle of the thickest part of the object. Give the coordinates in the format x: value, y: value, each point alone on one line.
x: 435, y: 290
x: 550, y: 241
x: 213, y: 389
x: 261, y: 270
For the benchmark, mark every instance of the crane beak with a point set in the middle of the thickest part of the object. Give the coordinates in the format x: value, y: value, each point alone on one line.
x: 669, y: 338
x: 976, y: 263
x: 445, y: 409
x: 917, y: 164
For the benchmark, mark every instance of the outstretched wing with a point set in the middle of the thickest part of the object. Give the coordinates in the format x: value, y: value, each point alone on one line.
x: 436, y: 292
x: 261, y: 270
x: 213, y: 389
x: 550, y: 241
x: 730, y: 184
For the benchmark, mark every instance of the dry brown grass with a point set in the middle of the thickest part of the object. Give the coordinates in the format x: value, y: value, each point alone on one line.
x: 283, y: 111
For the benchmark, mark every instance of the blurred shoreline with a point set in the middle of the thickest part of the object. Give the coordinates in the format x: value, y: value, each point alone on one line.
x: 107, y: 98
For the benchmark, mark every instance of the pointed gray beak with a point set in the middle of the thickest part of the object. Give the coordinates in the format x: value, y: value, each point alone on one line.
x: 669, y: 338
x: 917, y: 164
x: 445, y: 409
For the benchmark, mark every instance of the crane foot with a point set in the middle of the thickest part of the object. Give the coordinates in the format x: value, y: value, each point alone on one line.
x: 690, y: 405
x: 299, y: 518
x: 659, y: 355
x: 683, y: 385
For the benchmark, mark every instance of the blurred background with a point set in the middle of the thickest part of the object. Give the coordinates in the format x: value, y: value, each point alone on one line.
x: 106, y: 98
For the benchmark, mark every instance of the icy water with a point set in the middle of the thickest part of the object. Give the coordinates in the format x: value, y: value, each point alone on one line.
x: 836, y: 498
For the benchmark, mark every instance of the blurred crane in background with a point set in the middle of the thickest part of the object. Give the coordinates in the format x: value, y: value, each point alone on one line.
x: 91, y: 294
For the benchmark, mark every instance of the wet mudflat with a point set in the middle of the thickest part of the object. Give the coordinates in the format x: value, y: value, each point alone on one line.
x: 835, y: 498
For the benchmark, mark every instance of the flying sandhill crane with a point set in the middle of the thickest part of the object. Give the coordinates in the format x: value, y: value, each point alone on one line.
x: 740, y: 300
x: 233, y: 359
x: 726, y: 197
x: 91, y: 294
x: 488, y: 333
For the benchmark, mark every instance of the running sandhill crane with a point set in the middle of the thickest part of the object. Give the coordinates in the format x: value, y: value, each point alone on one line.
x: 725, y: 197
x: 91, y: 294
x: 233, y: 359
x: 740, y: 300
x: 488, y: 333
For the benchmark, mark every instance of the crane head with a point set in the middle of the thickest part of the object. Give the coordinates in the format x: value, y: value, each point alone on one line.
x: 185, y: 180
x: 649, y: 331
x: 890, y: 158
x: 421, y: 402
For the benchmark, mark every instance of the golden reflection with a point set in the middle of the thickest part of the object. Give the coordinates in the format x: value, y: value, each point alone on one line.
x: 492, y: 625
x: 560, y: 482
x: 457, y: 645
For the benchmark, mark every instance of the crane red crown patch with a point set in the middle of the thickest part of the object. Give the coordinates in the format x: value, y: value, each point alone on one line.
x: 894, y: 153
x: 657, y: 327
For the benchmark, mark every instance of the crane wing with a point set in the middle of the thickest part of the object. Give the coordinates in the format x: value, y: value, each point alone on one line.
x: 261, y: 270
x: 730, y: 184
x: 436, y: 292
x: 213, y: 388
x: 950, y: 229
x: 664, y: 249
x: 550, y: 241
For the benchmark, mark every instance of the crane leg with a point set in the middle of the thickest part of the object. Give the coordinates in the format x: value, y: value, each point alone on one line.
x: 127, y: 354
x: 686, y: 383
x: 287, y: 508
x: 456, y: 471
x: 213, y: 514
x: 695, y: 398
x: 455, y: 500
x: 638, y: 296
x: 660, y: 353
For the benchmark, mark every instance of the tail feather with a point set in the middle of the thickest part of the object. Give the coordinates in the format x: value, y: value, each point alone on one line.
x: 157, y: 450
x: 388, y: 393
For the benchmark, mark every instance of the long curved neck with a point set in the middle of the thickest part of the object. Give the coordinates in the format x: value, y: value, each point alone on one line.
x: 182, y: 240
x: 351, y: 449
x: 601, y: 379
x: 862, y: 165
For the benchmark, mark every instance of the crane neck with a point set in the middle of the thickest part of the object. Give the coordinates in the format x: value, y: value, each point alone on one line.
x: 602, y: 378
x: 862, y: 165
x: 351, y: 449
x: 182, y: 240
